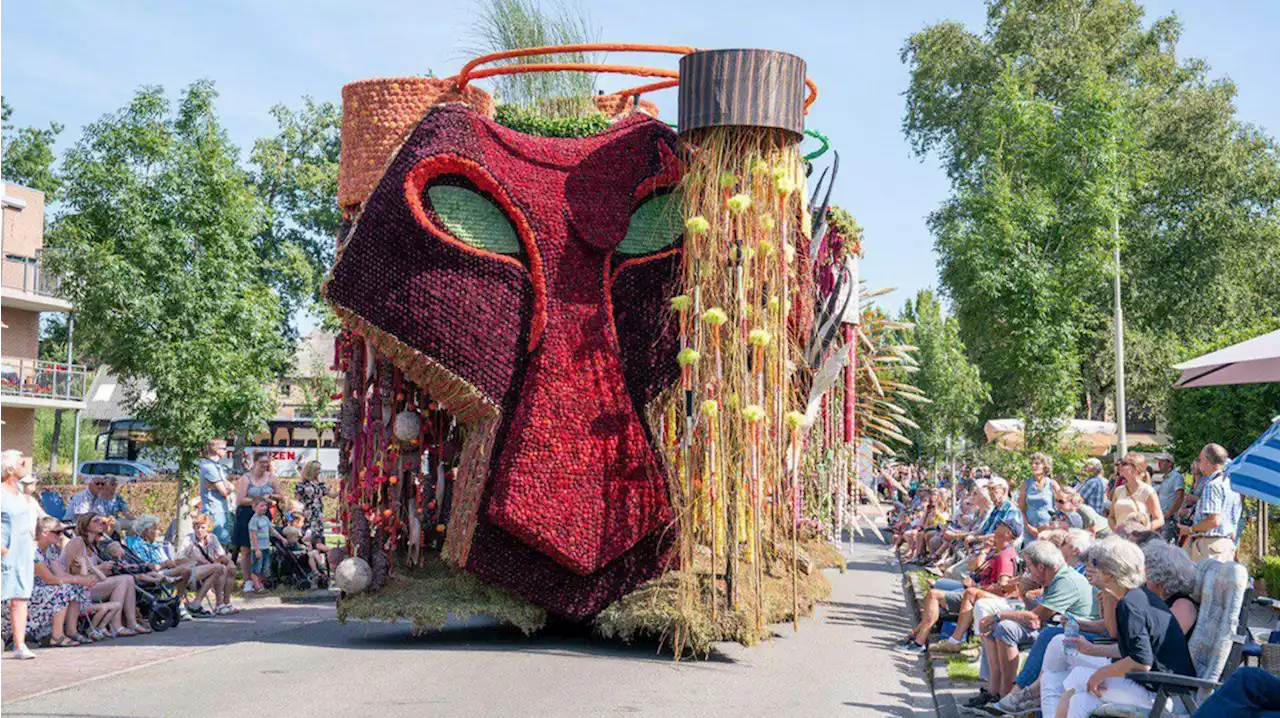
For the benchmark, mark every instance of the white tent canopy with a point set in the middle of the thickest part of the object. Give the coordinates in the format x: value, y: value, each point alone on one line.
x: 1095, y: 436
x: 1250, y: 362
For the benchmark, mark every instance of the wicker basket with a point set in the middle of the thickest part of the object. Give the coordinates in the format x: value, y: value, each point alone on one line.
x: 377, y: 116
x: 1270, y: 660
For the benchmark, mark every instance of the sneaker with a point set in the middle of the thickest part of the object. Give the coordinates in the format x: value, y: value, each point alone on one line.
x: 913, y: 648
x: 22, y: 653
x: 982, y: 699
x: 183, y: 613
x: 199, y: 611
x: 247, y: 588
x: 946, y: 646
x: 1021, y: 700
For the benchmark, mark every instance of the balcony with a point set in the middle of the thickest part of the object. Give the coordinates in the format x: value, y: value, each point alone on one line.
x: 26, y: 284
x: 39, y: 384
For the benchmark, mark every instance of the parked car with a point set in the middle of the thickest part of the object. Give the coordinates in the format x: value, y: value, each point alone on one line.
x: 124, y: 471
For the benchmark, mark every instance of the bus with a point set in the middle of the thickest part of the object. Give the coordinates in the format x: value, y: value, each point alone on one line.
x: 292, y: 442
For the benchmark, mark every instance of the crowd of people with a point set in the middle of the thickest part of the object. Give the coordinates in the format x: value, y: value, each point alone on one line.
x: 99, y: 572
x: 1067, y: 586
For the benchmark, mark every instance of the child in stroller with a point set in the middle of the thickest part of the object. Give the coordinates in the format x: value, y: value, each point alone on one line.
x: 294, y: 561
x: 159, y: 603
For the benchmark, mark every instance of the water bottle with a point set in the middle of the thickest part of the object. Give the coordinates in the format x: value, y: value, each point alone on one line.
x: 1069, y: 633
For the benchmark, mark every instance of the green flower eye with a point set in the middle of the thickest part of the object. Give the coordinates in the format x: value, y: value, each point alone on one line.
x: 655, y: 225
x: 472, y: 218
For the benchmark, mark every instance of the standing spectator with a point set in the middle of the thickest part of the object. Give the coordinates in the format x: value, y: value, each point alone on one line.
x: 1094, y: 487
x: 1035, y: 497
x: 216, y: 491
x: 260, y: 531
x: 259, y: 483
x: 1134, y: 500
x: 311, y: 491
x: 1217, y: 513
x: 1173, y: 489
x: 18, y: 550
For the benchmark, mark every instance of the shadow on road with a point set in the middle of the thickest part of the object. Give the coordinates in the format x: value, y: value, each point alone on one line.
x: 481, y: 635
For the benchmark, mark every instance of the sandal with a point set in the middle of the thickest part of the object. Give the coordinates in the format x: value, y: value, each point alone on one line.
x: 142, y: 629
x: 80, y: 638
x: 125, y: 632
x: 64, y: 642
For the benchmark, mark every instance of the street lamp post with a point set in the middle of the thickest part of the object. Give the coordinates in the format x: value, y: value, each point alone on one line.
x: 1122, y: 439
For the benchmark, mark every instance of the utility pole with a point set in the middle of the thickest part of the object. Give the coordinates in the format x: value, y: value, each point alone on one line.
x: 1122, y: 439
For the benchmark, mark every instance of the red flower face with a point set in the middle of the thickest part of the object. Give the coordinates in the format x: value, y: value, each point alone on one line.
x: 526, y: 277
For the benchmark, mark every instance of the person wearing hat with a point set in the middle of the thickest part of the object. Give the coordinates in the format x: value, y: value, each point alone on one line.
x: 1171, y: 494
x: 994, y: 579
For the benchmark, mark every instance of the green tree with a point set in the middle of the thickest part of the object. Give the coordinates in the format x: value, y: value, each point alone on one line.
x: 945, y: 376
x: 28, y: 156
x: 1061, y: 116
x: 156, y: 244
x: 295, y: 174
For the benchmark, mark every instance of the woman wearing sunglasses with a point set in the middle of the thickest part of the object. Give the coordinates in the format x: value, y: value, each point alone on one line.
x: 1135, y: 500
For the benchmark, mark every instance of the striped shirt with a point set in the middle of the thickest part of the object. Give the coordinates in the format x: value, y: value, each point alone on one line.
x: 1217, y: 497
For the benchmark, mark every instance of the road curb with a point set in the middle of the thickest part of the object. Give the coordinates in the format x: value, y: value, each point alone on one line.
x: 935, y: 669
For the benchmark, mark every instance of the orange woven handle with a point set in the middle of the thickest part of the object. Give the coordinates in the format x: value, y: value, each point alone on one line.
x: 469, y: 72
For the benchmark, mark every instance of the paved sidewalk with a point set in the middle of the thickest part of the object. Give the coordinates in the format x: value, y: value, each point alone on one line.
x: 58, y: 668
x: 840, y: 663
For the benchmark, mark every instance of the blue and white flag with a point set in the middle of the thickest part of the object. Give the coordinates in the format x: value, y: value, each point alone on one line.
x: 1256, y: 472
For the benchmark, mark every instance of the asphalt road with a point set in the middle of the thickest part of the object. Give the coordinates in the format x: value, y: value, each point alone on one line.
x: 840, y: 663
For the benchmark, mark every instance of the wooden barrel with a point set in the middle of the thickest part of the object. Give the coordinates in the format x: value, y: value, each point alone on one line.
x: 749, y: 88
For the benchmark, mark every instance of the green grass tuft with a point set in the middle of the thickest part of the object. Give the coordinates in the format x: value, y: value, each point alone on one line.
x: 961, y: 670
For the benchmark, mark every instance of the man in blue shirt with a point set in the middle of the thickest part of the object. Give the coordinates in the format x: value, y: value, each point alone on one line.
x: 216, y: 490
x: 1094, y: 488
x: 1172, y: 493
x: 1217, y: 513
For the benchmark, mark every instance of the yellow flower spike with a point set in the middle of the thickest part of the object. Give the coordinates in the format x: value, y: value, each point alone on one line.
x: 715, y: 316
x: 760, y: 167
x: 681, y: 302
x: 758, y: 337
x: 697, y: 225
x: 687, y: 357
x: 731, y: 401
x: 739, y: 203
x: 710, y: 408
x: 728, y: 180
x: 767, y: 222
x: 789, y: 253
x: 794, y: 419
x: 753, y: 413
x: 774, y: 303
x: 780, y: 172
x: 785, y: 186
x: 765, y: 248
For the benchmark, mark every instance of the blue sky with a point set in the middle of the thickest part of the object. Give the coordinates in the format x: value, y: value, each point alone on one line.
x: 71, y: 62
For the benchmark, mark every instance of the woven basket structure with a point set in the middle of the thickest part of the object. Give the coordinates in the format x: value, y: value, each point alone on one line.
x: 1270, y: 661
x: 378, y: 114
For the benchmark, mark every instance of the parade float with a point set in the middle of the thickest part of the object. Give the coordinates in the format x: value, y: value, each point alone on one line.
x: 607, y: 371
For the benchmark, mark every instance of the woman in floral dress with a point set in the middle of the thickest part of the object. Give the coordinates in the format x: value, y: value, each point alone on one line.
x: 311, y: 491
x: 56, y: 596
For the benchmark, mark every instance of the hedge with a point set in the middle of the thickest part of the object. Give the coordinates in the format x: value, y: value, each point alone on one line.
x: 161, y: 497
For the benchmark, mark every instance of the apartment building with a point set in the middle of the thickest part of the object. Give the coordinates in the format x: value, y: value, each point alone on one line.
x: 26, y: 292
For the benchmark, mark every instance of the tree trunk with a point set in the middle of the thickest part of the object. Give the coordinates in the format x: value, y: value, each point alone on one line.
x: 53, y: 444
x: 182, y: 520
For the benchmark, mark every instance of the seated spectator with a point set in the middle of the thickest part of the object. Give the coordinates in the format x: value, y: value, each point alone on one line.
x: 1079, y: 677
x: 81, y: 558
x: 56, y: 597
x: 1076, y: 514
x: 1172, y: 577
x: 146, y: 544
x: 995, y: 564
x: 89, y: 500
x: 1247, y: 693
x: 1065, y: 592
x: 1078, y: 543
x: 214, y: 569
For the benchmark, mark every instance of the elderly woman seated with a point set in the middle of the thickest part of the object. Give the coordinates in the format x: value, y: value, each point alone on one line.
x: 1172, y: 577
x: 212, y: 569
x: 1079, y: 676
x: 148, y: 545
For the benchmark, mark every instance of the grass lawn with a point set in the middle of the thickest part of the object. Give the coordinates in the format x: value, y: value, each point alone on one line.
x: 961, y: 670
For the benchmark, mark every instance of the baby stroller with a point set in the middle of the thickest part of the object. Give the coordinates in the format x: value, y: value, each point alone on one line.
x: 287, y: 567
x: 157, y: 602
